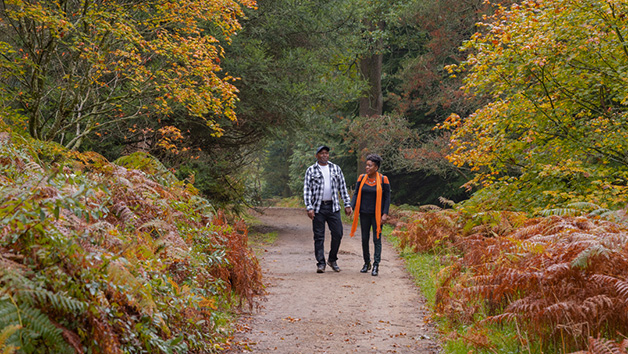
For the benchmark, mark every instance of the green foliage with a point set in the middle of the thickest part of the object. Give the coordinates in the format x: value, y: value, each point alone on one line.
x: 35, y: 331
x: 323, y: 131
x: 98, y: 257
x: 296, y: 61
x: 554, y: 131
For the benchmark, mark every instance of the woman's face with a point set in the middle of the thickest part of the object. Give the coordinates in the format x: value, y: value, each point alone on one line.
x: 371, y: 167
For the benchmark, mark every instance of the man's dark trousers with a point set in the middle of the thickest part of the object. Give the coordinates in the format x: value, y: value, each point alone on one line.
x: 326, y: 214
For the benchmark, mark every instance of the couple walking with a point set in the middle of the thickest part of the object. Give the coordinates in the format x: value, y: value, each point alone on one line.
x: 371, y: 201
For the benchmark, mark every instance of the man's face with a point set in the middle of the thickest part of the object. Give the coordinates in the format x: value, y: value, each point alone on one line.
x: 323, y: 157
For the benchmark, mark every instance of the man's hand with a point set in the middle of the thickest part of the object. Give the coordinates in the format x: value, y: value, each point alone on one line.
x: 348, y: 210
x: 384, y: 218
x: 310, y: 213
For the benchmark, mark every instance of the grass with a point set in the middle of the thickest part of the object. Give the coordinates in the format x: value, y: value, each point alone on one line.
x: 292, y: 202
x: 260, y: 235
x: 423, y: 267
x: 260, y: 241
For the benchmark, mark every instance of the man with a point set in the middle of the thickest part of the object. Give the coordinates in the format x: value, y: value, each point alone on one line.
x: 323, y: 181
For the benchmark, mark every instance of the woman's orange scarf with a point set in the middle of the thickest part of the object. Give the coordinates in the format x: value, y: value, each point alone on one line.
x: 378, y: 205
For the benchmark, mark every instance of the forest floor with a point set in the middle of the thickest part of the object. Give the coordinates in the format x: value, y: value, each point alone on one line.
x: 345, y: 312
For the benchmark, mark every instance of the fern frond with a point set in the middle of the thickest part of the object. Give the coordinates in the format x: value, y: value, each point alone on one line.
x: 564, y: 309
x: 601, y: 212
x: 527, y: 306
x: 101, y: 226
x: 27, y: 291
x: 4, y: 336
x: 559, y: 212
x: 430, y: 207
x: 613, y: 240
x: 558, y: 271
x: 604, y: 346
x: 622, y: 289
x: 582, y: 260
x: 9, y: 314
x: 35, y: 328
x: 33, y: 166
x: 39, y: 328
x: 202, y: 206
x: 137, y: 295
x: 122, y: 211
x: 60, y: 301
x: 584, y: 205
x: 446, y: 202
x: 604, y: 280
x: 501, y: 318
x: 158, y: 226
x: 174, y: 245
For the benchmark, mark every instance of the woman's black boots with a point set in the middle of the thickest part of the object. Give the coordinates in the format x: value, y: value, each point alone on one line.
x: 365, y: 268
x: 375, y: 270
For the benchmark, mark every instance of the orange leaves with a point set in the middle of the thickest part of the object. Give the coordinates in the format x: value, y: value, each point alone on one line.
x: 427, y: 231
x: 560, y: 279
x: 170, y: 138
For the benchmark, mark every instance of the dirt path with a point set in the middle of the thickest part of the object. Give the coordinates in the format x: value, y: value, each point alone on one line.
x: 345, y: 312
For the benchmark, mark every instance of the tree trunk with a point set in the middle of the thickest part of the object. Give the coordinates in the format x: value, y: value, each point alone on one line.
x: 371, y: 104
x: 371, y: 69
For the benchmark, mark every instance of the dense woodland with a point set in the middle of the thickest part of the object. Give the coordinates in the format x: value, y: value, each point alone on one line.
x: 135, y: 134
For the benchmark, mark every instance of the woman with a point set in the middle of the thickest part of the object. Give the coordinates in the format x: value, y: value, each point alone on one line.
x: 370, y: 202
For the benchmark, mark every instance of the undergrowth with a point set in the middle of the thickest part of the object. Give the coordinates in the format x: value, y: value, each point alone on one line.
x: 100, y: 257
x: 510, y: 283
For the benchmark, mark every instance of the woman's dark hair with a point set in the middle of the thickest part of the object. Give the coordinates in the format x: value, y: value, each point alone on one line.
x: 376, y: 159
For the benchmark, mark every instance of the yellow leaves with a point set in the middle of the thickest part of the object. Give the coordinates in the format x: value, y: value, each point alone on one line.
x: 207, y: 303
x: 549, y: 69
x: 452, y: 122
x: 138, y: 54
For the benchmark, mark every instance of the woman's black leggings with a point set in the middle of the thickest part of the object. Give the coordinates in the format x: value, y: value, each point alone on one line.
x: 368, y: 222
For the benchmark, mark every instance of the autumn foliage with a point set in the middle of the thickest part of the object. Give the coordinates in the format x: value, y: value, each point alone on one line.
x: 72, y: 67
x: 554, y: 128
x: 113, y: 257
x: 561, y: 280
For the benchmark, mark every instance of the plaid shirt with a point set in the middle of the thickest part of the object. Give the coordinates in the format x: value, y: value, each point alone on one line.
x: 314, y: 183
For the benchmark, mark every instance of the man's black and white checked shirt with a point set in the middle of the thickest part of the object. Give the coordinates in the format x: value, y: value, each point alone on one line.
x: 314, y: 183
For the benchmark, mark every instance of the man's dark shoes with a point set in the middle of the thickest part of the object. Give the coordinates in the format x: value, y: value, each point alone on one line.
x: 366, y: 268
x: 334, y: 266
x: 375, y: 270
x: 320, y: 268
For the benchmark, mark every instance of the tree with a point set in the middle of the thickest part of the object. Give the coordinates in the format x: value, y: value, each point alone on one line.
x: 296, y: 68
x: 555, y: 129
x: 71, y: 67
x: 297, y: 64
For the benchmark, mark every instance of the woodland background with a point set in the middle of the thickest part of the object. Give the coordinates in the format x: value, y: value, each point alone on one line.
x: 134, y: 134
